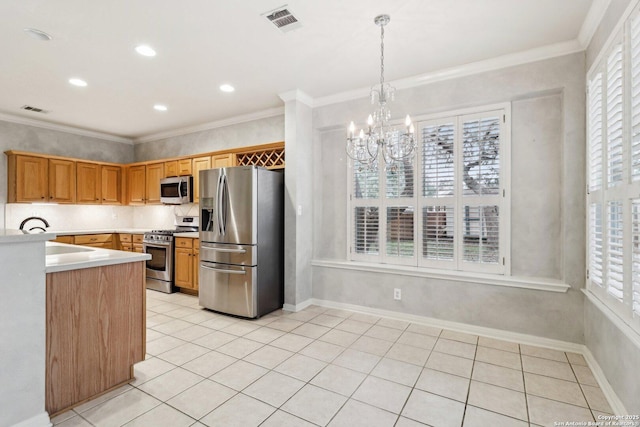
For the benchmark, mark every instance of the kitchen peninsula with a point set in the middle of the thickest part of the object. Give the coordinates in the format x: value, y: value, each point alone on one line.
x: 77, y: 318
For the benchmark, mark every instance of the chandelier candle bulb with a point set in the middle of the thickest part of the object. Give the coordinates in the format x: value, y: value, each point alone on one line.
x: 352, y: 129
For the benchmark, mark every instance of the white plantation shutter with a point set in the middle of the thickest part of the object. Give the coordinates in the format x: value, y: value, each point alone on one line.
x: 481, y: 234
x: 613, y: 130
x: 445, y: 208
x: 365, y: 230
x: 614, y: 105
x: 615, y: 254
x: 366, y: 212
x: 438, y: 179
x: 400, y: 237
x: 635, y: 266
x: 595, y: 132
x: 635, y: 97
x: 481, y: 156
x: 438, y: 226
x: 595, y: 243
x: 439, y: 150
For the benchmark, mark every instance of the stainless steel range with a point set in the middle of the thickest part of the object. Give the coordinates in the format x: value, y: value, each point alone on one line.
x: 160, y: 245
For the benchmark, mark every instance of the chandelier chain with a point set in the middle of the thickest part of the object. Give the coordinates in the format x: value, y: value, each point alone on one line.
x: 381, y: 140
x: 381, y: 58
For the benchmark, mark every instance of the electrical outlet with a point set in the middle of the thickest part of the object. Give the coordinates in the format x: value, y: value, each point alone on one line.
x: 397, y: 294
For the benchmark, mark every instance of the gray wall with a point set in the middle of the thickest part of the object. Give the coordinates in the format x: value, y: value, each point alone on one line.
x: 547, y: 225
x: 14, y: 136
x: 616, y: 354
x: 255, y: 132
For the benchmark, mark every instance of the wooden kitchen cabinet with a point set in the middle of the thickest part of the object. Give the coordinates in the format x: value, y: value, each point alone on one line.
x: 130, y: 242
x: 223, y: 160
x: 104, y: 241
x: 98, y: 184
x: 179, y: 167
x: 28, y: 178
x: 186, y: 266
x: 62, y: 181
x: 199, y: 163
x: 144, y: 183
x: 155, y: 173
x: 125, y: 242
x: 111, y: 180
x: 137, y: 243
x: 38, y: 179
x: 196, y: 264
x: 89, y: 187
x: 136, y: 182
x: 95, y: 331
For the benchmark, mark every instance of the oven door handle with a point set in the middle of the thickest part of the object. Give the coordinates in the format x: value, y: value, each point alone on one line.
x: 222, y: 270
x: 233, y: 251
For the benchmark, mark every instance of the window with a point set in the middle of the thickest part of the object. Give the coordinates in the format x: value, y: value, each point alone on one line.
x: 445, y: 208
x: 613, y: 175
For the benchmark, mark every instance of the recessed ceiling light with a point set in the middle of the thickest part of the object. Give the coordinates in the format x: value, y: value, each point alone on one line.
x: 160, y: 107
x: 37, y: 34
x: 145, y: 50
x: 77, y: 82
x: 227, y: 88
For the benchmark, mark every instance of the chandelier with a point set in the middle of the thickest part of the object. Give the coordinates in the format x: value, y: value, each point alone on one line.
x: 381, y: 139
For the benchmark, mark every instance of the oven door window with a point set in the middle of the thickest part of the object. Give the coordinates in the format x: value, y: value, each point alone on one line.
x: 158, y: 261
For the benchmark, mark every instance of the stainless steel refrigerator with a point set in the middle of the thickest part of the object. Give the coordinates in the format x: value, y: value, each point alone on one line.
x: 241, y: 240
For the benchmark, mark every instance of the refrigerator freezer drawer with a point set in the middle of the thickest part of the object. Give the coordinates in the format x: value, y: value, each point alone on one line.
x: 228, y: 289
x: 228, y: 254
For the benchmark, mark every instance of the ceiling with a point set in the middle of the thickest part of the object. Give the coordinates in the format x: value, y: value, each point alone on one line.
x: 202, y: 44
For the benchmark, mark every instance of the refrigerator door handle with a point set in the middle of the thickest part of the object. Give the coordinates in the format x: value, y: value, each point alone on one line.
x: 234, y: 251
x: 218, y: 201
x: 222, y: 270
x: 224, y: 195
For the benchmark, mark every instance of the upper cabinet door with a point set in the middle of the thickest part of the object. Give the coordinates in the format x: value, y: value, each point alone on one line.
x: 223, y: 160
x: 28, y: 179
x: 136, y: 182
x: 155, y: 173
x: 62, y: 181
x: 171, y: 168
x: 88, y: 183
x: 112, y: 185
x: 199, y: 163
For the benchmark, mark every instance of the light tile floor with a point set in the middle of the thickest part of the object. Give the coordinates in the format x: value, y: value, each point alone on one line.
x: 333, y: 367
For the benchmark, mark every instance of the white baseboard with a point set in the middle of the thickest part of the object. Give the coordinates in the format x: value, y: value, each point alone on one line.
x: 297, y: 307
x: 40, y: 420
x: 615, y: 403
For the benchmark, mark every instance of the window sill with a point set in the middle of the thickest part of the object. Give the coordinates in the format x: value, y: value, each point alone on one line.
x: 535, y: 283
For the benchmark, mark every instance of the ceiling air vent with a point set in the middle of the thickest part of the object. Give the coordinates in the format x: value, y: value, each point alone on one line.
x: 283, y: 19
x: 34, y: 109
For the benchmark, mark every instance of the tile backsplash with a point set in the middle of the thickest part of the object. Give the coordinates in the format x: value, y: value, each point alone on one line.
x: 95, y: 217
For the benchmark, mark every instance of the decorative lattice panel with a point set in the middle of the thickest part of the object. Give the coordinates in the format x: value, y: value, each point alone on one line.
x: 271, y: 159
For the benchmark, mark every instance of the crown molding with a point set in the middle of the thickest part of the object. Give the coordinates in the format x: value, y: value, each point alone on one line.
x: 592, y: 21
x: 519, y: 58
x: 271, y: 112
x: 297, y: 95
x: 63, y: 128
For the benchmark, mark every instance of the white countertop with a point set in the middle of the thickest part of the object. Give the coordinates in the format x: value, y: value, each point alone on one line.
x: 85, y: 257
x: 100, y: 231
x: 18, y: 236
x: 189, y: 234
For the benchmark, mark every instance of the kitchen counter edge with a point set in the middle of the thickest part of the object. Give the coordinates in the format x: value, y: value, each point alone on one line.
x: 95, y: 257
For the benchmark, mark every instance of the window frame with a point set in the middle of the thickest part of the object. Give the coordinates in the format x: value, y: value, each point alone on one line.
x: 503, y: 267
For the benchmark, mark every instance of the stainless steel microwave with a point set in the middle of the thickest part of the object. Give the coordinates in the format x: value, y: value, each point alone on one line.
x: 176, y: 190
